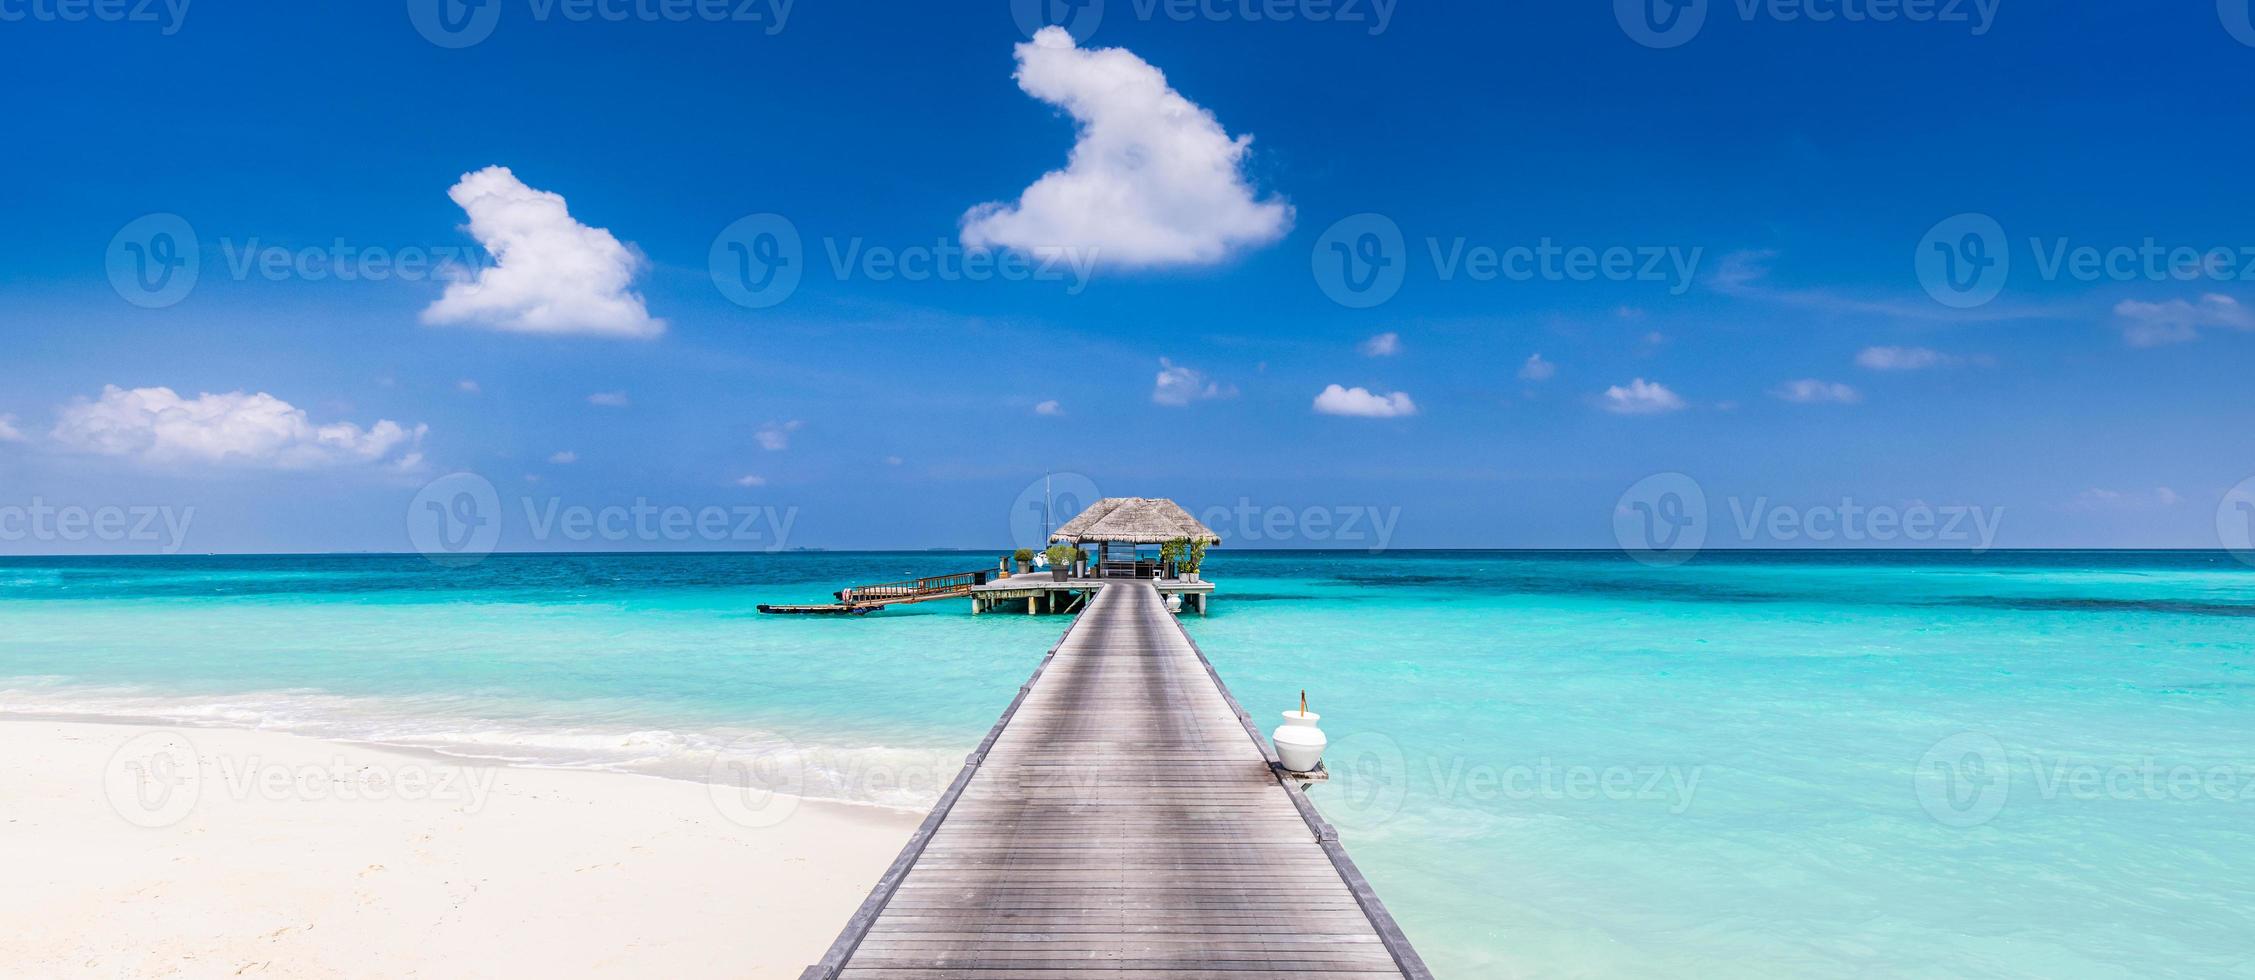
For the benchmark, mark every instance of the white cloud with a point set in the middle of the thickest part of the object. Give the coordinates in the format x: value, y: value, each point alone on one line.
x: 1537, y: 369
x: 776, y: 436
x: 2177, y: 321
x: 550, y: 274
x: 564, y: 458
x: 8, y: 430
x: 1641, y: 397
x: 1152, y: 178
x: 1049, y: 407
x: 156, y: 425
x: 1810, y: 391
x: 1386, y: 344
x: 609, y: 399
x: 751, y: 480
x: 467, y: 387
x: 2101, y: 499
x: 1363, y: 403
x: 1903, y: 358
x: 1179, y: 385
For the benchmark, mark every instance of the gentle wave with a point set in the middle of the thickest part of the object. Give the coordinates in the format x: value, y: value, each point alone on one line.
x: 902, y: 778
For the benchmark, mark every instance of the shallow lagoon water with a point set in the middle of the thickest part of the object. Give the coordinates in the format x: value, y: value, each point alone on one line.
x: 2013, y: 764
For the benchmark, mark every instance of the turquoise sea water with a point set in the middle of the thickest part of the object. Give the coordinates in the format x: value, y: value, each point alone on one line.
x: 1551, y: 764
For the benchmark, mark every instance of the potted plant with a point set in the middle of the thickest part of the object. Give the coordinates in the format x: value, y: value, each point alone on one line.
x: 1023, y: 557
x: 1170, y: 554
x: 1193, y: 559
x: 1060, y: 561
x: 1080, y: 562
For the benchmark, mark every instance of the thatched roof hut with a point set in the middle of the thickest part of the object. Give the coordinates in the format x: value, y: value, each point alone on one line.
x: 1134, y: 520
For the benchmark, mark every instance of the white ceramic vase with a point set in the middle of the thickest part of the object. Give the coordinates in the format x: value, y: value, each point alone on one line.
x: 1299, y: 744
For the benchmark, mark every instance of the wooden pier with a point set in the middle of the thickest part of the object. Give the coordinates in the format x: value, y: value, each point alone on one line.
x: 1123, y: 818
x: 1044, y: 593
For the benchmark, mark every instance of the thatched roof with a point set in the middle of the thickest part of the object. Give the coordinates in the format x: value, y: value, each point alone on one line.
x: 1134, y: 520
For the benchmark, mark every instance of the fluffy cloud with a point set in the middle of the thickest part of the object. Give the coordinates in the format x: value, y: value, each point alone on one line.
x: 1049, y: 407
x: 8, y: 430
x: 156, y: 425
x: 609, y: 399
x: 1152, y: 178
x: 1902, y: 358
x: 776, y: 436
x: 1363, y: 403
x: 1537, y: 369
x: 467, y: 387
x: 1179, y: 385
x: 751, y: 480
x: 2177, y: 321
x: 1810, y: 391
x: 564, y: 458
x: 1386, y: 344
x: 550, y: 274
x: 1641, y: 397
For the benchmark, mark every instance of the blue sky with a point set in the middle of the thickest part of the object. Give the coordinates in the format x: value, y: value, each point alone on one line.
x: 1781, y: 178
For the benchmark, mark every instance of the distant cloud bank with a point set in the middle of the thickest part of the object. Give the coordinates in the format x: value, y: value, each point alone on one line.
x: 158, y: 426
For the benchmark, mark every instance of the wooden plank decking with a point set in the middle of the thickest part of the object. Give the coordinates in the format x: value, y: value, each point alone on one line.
x: 1122, y: 818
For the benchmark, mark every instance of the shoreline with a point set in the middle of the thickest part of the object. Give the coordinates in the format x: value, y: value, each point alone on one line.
x: 147, y: 848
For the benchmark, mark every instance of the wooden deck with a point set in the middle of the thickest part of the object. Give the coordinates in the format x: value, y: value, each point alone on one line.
x: 1123, y: 818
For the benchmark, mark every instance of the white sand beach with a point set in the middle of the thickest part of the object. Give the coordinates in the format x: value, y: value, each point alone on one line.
x: 281, y: 856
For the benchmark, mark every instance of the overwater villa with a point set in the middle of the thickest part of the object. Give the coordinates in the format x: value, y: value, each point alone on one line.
x: 1120, y: 528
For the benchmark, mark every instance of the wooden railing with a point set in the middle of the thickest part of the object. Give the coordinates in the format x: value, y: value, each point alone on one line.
x: 913, y: 587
